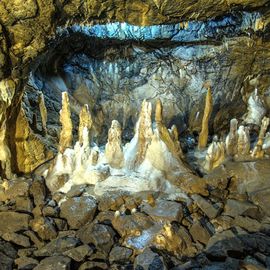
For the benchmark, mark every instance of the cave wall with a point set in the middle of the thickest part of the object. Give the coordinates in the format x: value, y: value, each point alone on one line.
x: 27, y: 29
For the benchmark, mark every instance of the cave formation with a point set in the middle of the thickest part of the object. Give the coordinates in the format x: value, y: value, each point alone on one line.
x: 134, y: 134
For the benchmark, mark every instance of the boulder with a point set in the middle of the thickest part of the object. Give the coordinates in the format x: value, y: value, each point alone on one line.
x: 164, y: 210
x: 13, y: 222
x: 78, y: 211
x: 120, y: 254
x: 199, y: 233
x: 235, y: 208
x: 24, y: 263
x: 102, y: 236
x: 206, y: 206
x: 17, y: 239
x: 53, y: 263
x: 57, y: 246
x: 79, y: 253
x: 149, y: 260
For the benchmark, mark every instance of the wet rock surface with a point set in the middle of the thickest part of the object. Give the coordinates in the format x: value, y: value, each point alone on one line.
x: 200, y: 232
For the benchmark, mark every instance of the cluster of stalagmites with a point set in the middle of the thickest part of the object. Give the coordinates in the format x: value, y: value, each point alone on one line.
x: 154, y: 152
x: 237, y: 144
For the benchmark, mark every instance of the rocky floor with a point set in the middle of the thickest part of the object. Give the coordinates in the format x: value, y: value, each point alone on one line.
x: 229, y: 229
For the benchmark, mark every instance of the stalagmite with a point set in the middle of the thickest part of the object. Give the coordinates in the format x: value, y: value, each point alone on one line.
x: 85, y: 122
x: 43, y: 112
x: 243, y: 144
x: 65, y: 140
x: 232, y: 139
x: 113, y: 150
x: 256, y: 109
x: 175, y: 135
x: 5, y: 154
x: 144, y: 131
x: 258, y: 152
x: 266, y: 142
x: 169, y: 138
x: 203, y: 137
x: 215, y: 155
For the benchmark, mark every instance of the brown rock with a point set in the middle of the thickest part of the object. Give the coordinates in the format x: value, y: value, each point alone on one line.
x: 79, y: 253
x: 24, y: 263
x: 13, y: 222
x: 120, y: 254
x: 17, y: 239
x: 44, y: 227
x: 199, y: 233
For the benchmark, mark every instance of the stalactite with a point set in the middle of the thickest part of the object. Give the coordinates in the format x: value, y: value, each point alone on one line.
x: 43, y: 112
x: 203, y: 137
x: 232, y: 139
x: 258, y: 152
x: 113, y: 149
x: 65, y: 140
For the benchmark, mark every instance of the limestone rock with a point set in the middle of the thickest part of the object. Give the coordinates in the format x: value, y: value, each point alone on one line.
x: 236, y: 208
x: 199, y: 233
x: 102, y: 236
x: 120, y: 254
x: 30, y: 150
x: 43, y: 112
x: 54, y: 262
x: 79, y: 253
x: 206, y: 206
x: 149, y: 260
x: 57, y: 247
x: 11, y: 222
x: 243, y: 143
x: 167, y: 211
x: 78, y: 210
x: 17, y: 239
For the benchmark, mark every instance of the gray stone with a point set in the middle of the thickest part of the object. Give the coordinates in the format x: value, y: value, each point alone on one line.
x: 223, y: 244
x: 206, y: 206
x: 120, y: 254
x: 164, y: 210
x: 7, y: 255
x: 78, y: 254
x: 57, y: 247
x: 13, y: 222
x: 54, y: 263
x: 76, y: 191
x: 235, y: 208
x: 102, y: 236
x: 78, y: 211
x: 93, y: 266
x: 149, y: 260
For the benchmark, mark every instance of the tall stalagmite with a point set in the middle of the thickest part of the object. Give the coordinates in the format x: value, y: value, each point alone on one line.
x: 85, y: 122
x: 203, y: 137
x: 65, y: 139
